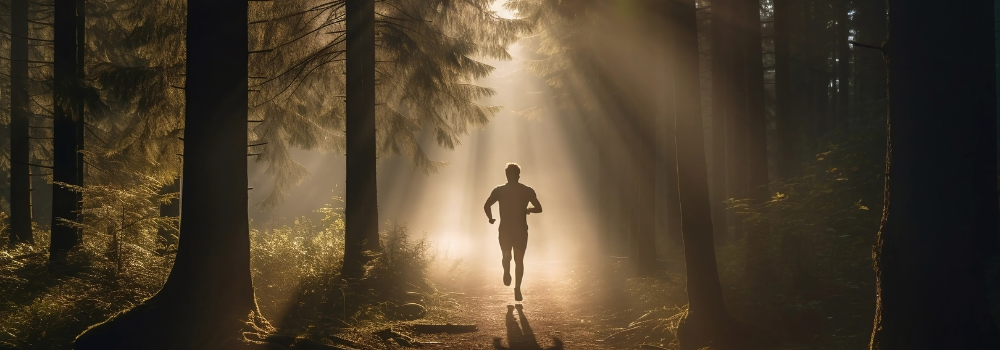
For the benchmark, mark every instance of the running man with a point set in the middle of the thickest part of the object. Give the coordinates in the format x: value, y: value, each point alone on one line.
x: 514, y: 210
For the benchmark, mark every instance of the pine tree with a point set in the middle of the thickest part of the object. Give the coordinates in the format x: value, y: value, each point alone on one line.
x: 20, y: 177
x: 707, y: 322
x: 723, y: 97
x: 756, y: 146
x: 940, y: 212
x: 361, y: 209
x: 209, y: 294
x: 424, y: 80
x: 68, y: 108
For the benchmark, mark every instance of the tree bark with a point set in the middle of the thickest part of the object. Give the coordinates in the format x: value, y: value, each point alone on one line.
x: 707, y: 322
x: 721, y: 109
x: 645, y: 190
x: 66, y: 73
x: 209, y: 294
x: 20, y: 172
x: 668, y: 206
x: 940, y: 216
x: 361, y: 208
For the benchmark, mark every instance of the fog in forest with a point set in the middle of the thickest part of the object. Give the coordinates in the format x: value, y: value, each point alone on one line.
x: 311, y: 174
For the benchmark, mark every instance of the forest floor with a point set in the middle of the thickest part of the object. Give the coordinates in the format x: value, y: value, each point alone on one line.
x: 569, y: 303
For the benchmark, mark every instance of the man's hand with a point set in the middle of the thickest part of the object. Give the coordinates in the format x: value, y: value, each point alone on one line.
x: 492, y: 221
x: 532, y: 210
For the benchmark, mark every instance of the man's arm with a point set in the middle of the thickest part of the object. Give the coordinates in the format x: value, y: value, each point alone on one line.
x: 488, y: 207
x: 536, y: 206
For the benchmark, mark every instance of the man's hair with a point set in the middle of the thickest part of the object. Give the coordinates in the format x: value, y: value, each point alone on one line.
x: 512, y: 169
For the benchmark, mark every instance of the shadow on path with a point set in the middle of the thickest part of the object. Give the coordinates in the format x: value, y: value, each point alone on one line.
x: 520, y: 336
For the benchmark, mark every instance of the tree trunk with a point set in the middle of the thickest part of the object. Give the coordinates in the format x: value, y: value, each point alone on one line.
x: 65, y: 201
x: 757, y: 174
x: 843, y: 63
x: 361, y: 208
x: 607, y: 205
x: 668, y: 207
x: 736, y: 123
x: 20, y: 172
x: 170, y: 210
x: 78, y: 103
x: 645, y: 185
x: 208, y: 296
x: 787, y: 125
x: 707, y: 321
x: 721, y: 109
x: 940, y: 215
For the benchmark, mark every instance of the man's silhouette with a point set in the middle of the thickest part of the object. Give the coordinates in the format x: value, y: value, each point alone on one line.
x: 514, y: 198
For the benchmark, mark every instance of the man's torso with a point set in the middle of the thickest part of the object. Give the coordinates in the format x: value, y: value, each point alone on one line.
x: 513, y: 198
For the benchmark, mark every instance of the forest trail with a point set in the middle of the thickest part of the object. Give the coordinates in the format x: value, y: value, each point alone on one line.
x: 574, y: 303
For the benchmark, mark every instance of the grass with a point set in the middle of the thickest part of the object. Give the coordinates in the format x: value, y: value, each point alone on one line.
x: 295, y: 271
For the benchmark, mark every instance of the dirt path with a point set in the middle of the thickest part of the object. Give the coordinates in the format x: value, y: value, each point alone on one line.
x: 563, y: 303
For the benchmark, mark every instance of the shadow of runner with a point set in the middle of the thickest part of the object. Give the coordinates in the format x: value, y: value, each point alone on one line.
x: 521, y: 337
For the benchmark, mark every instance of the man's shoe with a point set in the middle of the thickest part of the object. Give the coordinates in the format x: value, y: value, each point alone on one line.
x: 517, y: 294
x: 506, y: 278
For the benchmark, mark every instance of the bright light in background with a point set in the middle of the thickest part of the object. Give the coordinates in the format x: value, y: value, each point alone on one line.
x: 556, y: 151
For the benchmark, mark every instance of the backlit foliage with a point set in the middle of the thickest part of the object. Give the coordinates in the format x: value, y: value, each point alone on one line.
x: 428, y: 57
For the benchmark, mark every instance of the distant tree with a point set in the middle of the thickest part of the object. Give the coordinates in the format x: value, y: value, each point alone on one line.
x: 425, y: 66
x: 843, y: 62
x: 756, y: 146
x: 140, y: 76
x: 209, y: 294
x: 940, y: 213
x: 20, y: 172
x: 723, y: 106
x: 707, y: 323
x: 786, y: 124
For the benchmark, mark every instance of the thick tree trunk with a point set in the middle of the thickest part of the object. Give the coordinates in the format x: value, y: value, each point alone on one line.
x: 608, y: 195
x: 707, y: 321
x: 940, y: 215
x: 20, y: 172
x: 361, y: 209
x: 209, y: 294
x: 645, y: 185
x: 721, y: 109
x: 843, y: 63
x: 170, y: 210
x: 65, y: 201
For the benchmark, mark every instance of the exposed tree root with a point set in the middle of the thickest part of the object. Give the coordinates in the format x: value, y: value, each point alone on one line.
x: 160, y: 324
x: 658, y: 326
x: 696, y: 332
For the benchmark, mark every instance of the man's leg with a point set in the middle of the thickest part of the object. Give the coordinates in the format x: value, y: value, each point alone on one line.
x: 505, y: 246
x: 519, y: 247
x: 519, y: 266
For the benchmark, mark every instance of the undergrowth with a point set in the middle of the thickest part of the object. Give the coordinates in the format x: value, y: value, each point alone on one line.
x: 122, y: 261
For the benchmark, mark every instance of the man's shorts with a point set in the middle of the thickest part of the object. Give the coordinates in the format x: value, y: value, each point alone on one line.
x: 516, y: 239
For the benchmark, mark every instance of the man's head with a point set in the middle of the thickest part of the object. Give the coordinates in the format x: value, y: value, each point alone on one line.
x: 513, y: 172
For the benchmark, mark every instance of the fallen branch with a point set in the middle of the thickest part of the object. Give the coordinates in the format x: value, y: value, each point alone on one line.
x: 445, y: 328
